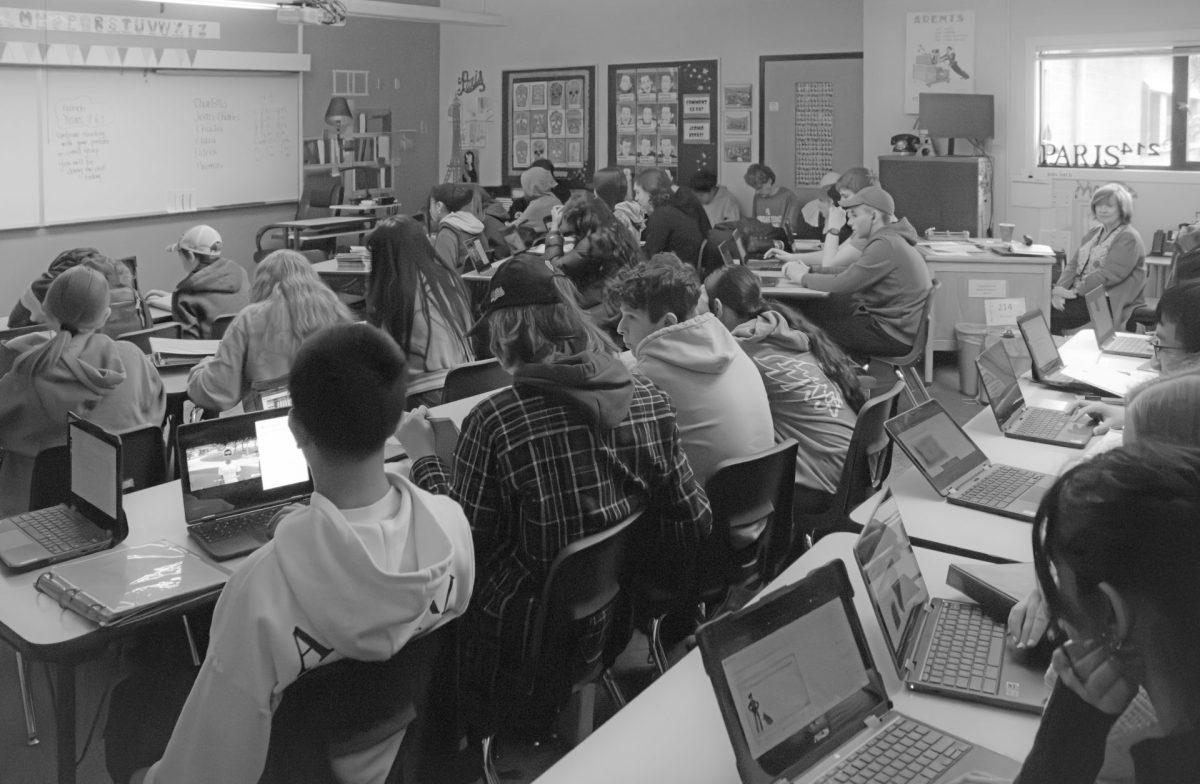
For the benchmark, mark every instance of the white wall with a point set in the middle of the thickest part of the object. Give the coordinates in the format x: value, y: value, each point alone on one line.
x: 546, y: 35
x: 1005, y: 33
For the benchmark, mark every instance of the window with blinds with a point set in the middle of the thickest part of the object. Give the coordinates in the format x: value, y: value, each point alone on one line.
x: 1112, y: 107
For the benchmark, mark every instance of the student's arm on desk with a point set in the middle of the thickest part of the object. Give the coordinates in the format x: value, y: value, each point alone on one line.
x: 856, y: 277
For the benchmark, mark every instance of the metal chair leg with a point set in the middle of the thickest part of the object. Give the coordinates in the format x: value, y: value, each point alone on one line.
x: 614, y: 688
x: 656, y: 646
x: 31, y: 737
x: 490, y: 776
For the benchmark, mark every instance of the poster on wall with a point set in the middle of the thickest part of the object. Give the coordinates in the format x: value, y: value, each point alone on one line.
x: 661, y: 114
x: 939, y: 54
x: 814, y: 132
x: 550, y: 113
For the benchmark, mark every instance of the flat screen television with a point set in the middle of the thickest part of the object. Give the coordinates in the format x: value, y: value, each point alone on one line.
x: 957, y: 116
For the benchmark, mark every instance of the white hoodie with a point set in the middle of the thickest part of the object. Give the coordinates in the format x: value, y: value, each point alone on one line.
x: 721, y: 404
x: 311, y: 596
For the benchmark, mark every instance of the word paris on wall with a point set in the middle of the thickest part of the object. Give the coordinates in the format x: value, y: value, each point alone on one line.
x: 1095, y: 156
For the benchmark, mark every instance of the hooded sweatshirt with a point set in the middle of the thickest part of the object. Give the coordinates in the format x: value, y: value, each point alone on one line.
x: 108, y: 382
x: 321, y: 590
x: 215, y: 288
x: 538, y: 185
x: 889, y: 281
x: 805, y: 404
x: 455, y: 232
x: 718, y: 394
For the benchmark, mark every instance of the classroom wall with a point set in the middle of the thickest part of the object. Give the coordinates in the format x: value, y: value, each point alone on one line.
x: 620, y: 31
x: 1005, y: 32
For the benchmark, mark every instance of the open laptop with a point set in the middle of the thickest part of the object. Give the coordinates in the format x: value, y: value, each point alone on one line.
x: 92, y: 519
x: 803, y: 701
x: 237, y: 472
x: 1125, y: 344
x: 1018, y: 420
x: 957, y: 469
x: 939, y: 646
x: 1047, y: 365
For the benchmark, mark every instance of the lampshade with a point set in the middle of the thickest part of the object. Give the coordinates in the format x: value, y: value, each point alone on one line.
x: 338, y: 114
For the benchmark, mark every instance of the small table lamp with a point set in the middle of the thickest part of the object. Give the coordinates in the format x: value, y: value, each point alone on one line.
x: 339, y: 117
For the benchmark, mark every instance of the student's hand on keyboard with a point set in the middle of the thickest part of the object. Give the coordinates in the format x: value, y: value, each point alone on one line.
x: 416, y: 434
x: 795, y: 270
x: 1105, y: 415
x: 1090, y: 669
x: 782, y: 255
x: 1027, y: 621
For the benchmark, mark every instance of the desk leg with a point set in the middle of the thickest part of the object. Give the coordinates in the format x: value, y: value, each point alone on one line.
x: 65, y: 722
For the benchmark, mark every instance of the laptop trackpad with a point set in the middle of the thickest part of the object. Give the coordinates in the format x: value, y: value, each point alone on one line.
x: 1027, y: 503
x: 19, y: 549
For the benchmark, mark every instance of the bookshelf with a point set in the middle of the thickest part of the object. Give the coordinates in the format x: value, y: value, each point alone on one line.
x: 367, y: 157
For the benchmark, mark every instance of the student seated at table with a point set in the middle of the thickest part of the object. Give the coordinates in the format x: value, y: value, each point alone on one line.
x: 1111, y: 255
x: 73, y: 369
x: 811, y: 384
x: 840, y: 247
x: 456, y: 226
x: 289, y: 302
x: 876, y: 304
x: 214, y: 286
x: 419, y: 302
x: 494, y: 217
x: 129, y: 310
x: 370, y: 563
x: 773, y: 204
x: 574, y: 446
x: 719, y: 204
x: 560, y: 190
x: 722, y: 406
x: 613, y: 187
x: 1176, y: 345
x: 1115, y: 544
x: 539, y: 187
x: 603, y: 247
x: 676, y: 221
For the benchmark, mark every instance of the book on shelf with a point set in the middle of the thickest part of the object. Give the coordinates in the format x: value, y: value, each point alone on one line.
x: 383, y: 147
x: 168, y: 352
x: 121, y: 585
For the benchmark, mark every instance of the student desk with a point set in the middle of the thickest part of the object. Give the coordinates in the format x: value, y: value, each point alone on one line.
x: 773, y: 286
x: 347, y: 281
x: 298, y: 232
x: 931, y: 522
x: 673, y: 731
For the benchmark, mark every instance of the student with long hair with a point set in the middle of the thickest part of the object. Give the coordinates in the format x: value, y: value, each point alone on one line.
x: 574, y: 446
x: 288, y: 302
x: 677, y: 222
x: 419, y: 302
x: 612, y: 186
x: 812, y: 386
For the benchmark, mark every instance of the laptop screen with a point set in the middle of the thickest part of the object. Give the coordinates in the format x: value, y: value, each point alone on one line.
x: 935, y: 444
x: 1038, y: 339
x: 1102, y: 322
x: 95, y: 470
x: 894, y: 582
x: 238, y: 462
x: 1000, y: 382
x: 793, y: 674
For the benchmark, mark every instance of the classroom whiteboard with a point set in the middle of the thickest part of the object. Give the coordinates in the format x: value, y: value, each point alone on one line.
x: 20, y: 203
x: 118, y: 143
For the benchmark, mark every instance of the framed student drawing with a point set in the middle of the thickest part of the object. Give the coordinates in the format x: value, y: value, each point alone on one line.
x: 663, y: 115
x: 550, y: 113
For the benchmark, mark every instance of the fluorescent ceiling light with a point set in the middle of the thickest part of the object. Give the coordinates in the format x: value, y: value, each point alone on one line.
x: 254, y: 4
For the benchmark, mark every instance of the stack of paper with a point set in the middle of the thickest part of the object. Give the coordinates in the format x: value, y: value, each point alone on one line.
x: 354, y: 259
x: 168, y: 352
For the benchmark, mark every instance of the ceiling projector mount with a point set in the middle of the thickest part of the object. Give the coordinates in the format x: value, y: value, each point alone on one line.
x: 312, y: 12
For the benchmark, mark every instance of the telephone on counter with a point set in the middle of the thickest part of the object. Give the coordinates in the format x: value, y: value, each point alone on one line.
x: 905, y: 144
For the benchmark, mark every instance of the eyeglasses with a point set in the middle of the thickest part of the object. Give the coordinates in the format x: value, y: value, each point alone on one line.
x: 1156, y: 346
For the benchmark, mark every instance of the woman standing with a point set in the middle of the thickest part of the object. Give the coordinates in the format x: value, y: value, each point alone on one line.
x: 288, y: 302
x: 1111, y: 255
x: 420, y: 303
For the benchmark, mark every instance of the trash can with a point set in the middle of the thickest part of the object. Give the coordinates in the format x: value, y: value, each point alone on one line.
x: 970, y: 338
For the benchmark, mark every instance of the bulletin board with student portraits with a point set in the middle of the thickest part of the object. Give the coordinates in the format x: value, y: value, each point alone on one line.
x: 664, y: 115
x: 550, y: 113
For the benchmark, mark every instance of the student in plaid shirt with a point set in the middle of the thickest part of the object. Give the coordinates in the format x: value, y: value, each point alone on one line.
x: 572, y: 448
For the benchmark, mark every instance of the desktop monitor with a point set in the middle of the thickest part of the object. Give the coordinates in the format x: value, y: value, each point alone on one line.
x: 957, y: 116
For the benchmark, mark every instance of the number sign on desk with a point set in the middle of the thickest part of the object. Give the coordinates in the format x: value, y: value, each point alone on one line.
x: 118, y: 143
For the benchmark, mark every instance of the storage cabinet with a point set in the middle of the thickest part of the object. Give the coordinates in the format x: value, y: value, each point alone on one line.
x: 949, y: 193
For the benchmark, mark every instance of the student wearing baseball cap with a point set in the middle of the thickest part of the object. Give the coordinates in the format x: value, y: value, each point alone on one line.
x: 875, y: 303
x: 574, y: 446
x: 214, y: 286
x: 73, y: 369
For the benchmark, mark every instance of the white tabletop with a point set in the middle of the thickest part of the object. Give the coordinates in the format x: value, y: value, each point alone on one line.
x: 673, y: 731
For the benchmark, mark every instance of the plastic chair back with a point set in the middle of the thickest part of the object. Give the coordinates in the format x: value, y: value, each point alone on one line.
x: 907, y: 363
x: 141, y: 337
x: 474, y: 378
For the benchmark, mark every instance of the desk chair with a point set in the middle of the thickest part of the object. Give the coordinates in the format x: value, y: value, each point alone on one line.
x: 868, y: 463
x: 751, y: 500
x: 141, y: 337
x: 319, y: 194
x: 220, y: 324
x: 347, y: 706
x: 575, y: 639
x: 1185, y: 267
x: 474, y: 378
x: 907, y: 364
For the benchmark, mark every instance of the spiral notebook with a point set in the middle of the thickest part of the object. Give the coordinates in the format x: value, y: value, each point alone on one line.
x: 127, y: 583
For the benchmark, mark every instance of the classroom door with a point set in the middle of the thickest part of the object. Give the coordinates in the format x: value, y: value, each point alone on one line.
x: 810, y: 116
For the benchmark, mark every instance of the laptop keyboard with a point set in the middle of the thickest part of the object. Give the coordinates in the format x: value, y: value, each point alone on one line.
x: 966, y: 651
x: 255, y: 523
x: 1001, y: 487
x: 1129, y: 344
x: 907, y: 751
x: 58, y: 530
x: 1041, y: 422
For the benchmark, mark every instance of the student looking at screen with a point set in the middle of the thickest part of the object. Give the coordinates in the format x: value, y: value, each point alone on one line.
x: 214, y: 286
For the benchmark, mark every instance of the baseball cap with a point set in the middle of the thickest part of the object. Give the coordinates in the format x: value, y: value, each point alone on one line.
x: 78, y: 298
x: 829, y: 179
x: 872, y: 196
x: 199, y: 239
x: 524, y: 280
